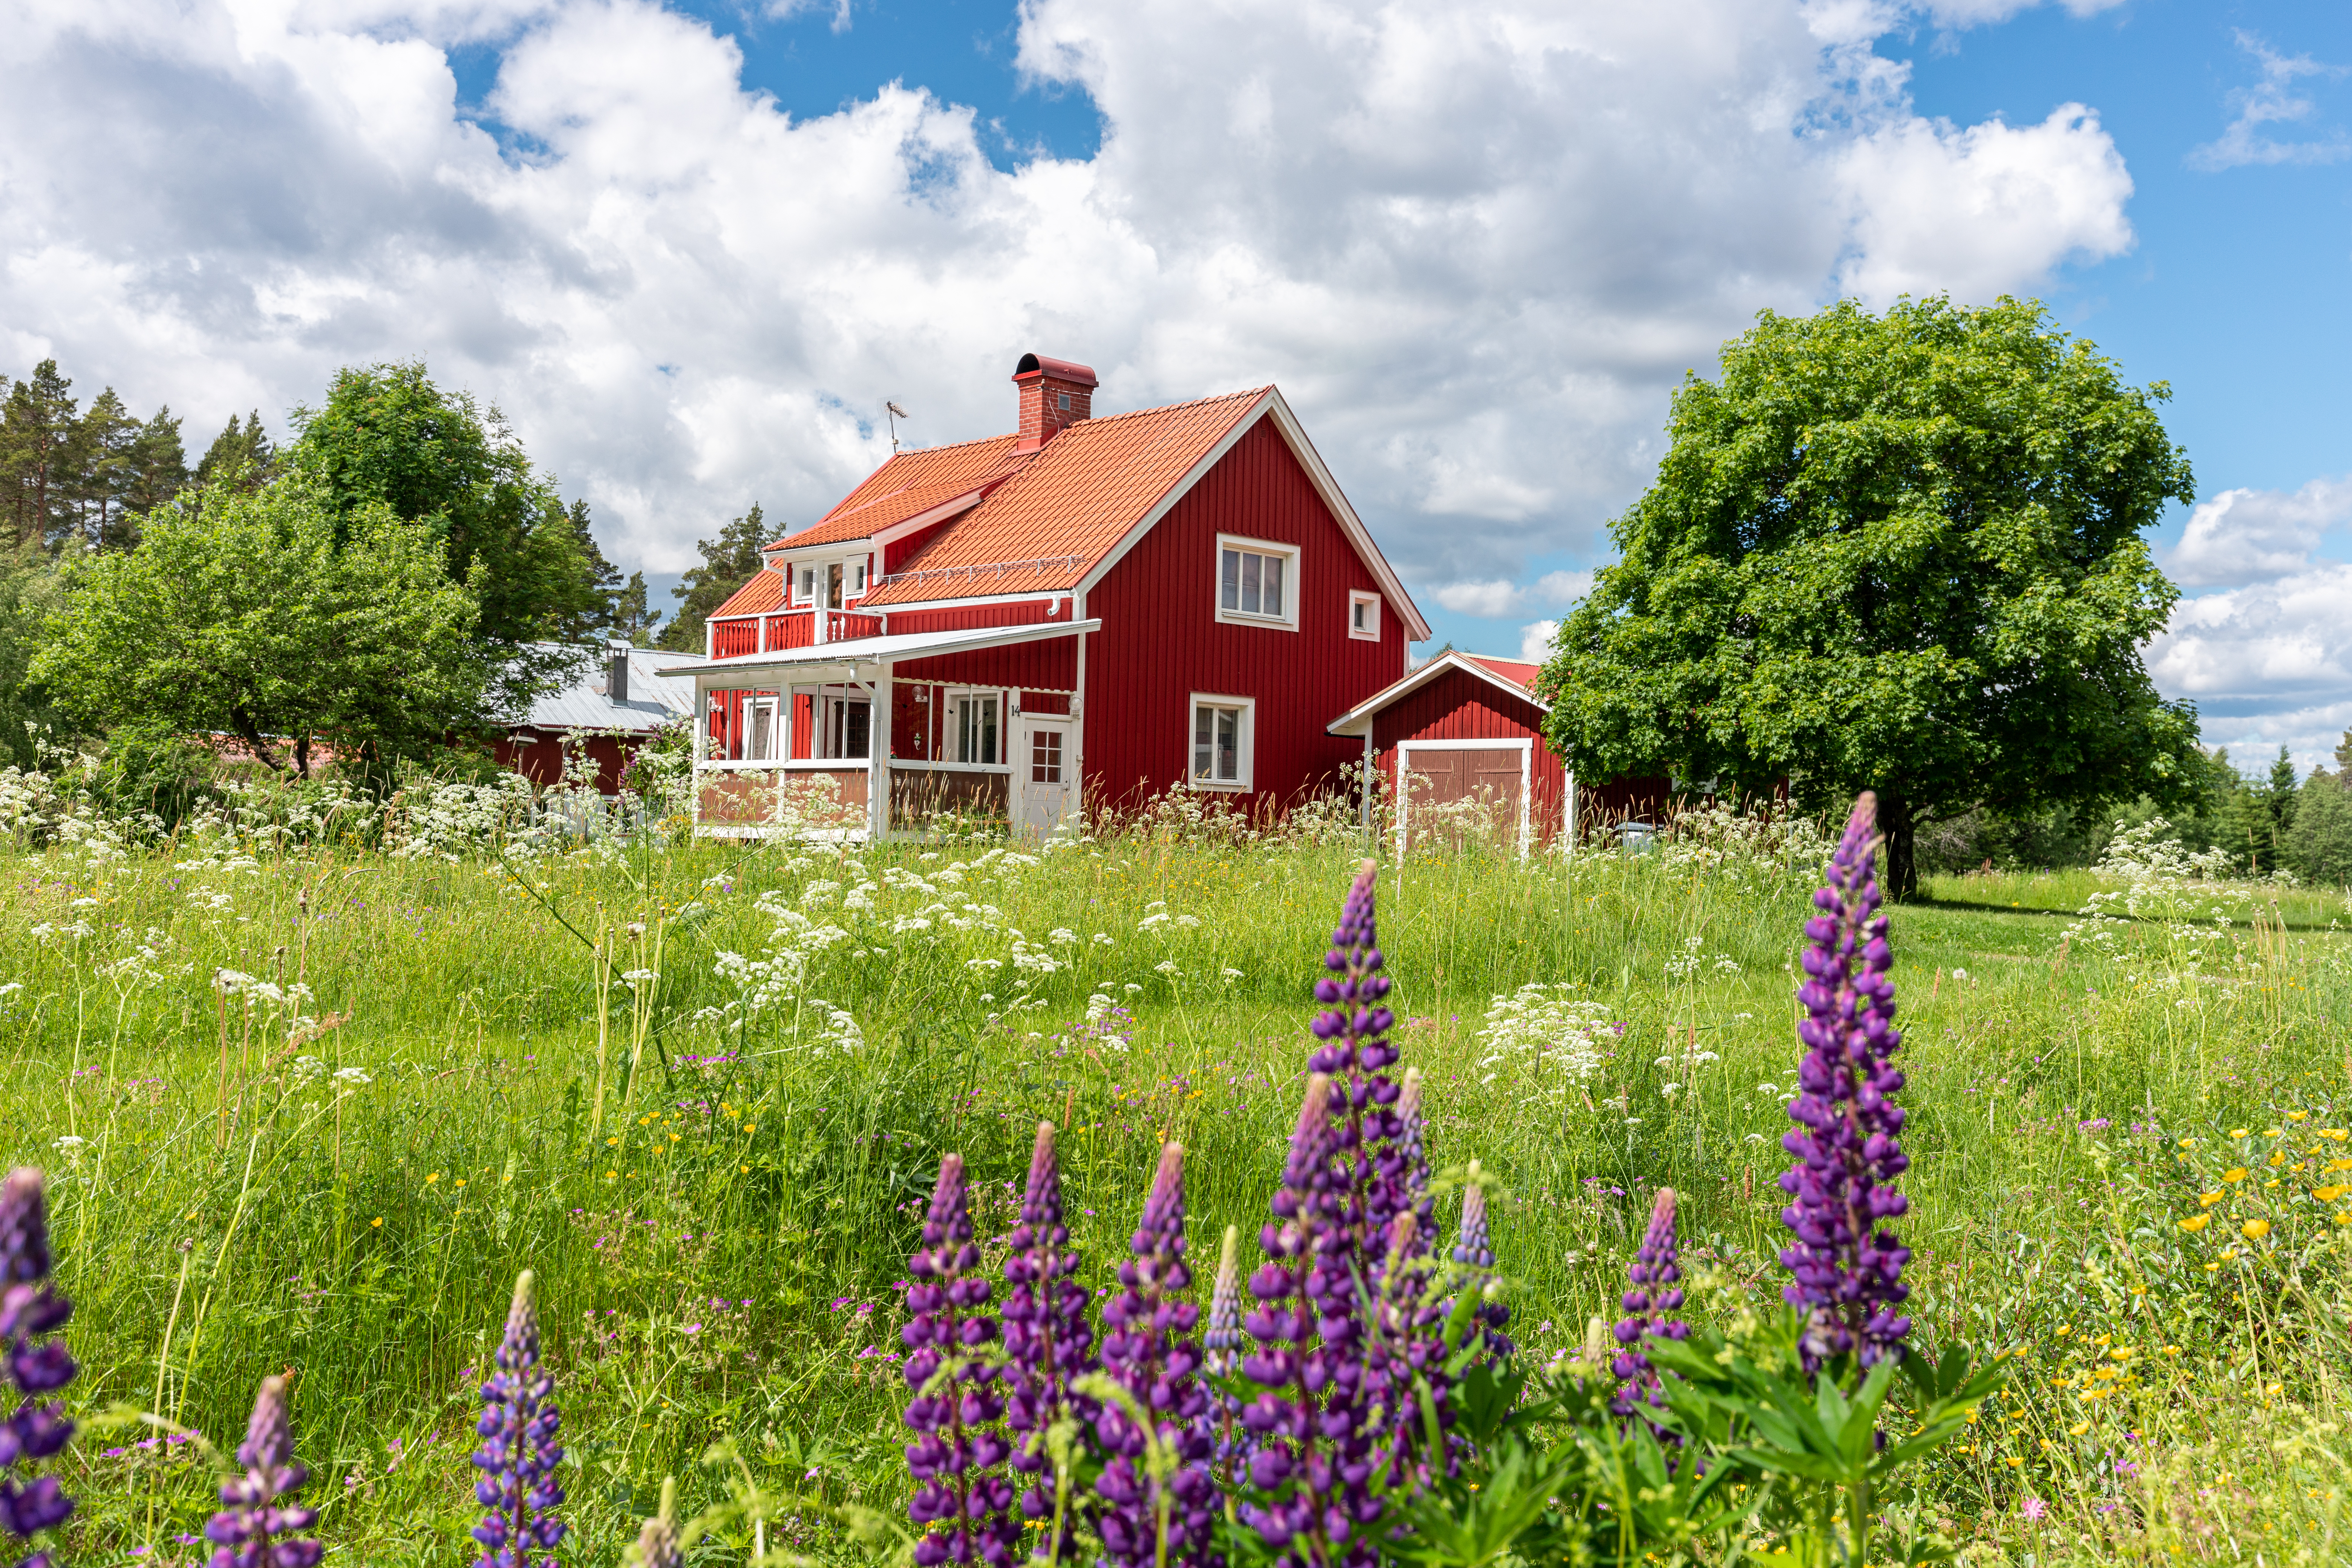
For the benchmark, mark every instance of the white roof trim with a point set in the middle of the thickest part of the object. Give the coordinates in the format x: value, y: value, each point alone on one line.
x: 1356, y: 720
x: 885, y: 649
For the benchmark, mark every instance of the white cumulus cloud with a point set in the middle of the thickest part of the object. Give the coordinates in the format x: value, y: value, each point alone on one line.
x: 2247, y: 535
x: 1501, y: 597
x: 1475, y: 244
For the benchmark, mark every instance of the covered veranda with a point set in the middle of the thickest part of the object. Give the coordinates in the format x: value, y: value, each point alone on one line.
x: 842, y: 738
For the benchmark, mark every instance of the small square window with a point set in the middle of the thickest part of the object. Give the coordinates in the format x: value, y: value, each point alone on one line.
x: 1222, y: 741
x: 1364, y: 616
x: 1064, y: 403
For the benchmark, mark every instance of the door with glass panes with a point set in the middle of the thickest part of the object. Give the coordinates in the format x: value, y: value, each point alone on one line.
x: 1046, y: 771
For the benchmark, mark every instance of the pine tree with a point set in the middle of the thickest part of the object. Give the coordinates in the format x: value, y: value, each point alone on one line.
x: 156, y: 470
x: 631, y: 619
x: 727, y: 562
x: 248, y: 445
x: 37, y: 436
x: 100, y: 459
x: 2279, y: 802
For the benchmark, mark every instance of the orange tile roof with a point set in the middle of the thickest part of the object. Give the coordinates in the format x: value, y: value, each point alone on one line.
x: 1044, y: 528
x: 908, y: 485
x: 765, y: 591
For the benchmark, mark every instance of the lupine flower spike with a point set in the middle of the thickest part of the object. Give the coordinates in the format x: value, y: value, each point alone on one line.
x: 1047, y: 1342
x: 658, y: 1544
x: 1222, y: 1351
x: 253, y: 1527
x: 1160, y: 1505
x: 955, y: 1494
x: 1848, y: 1269
x: 31, y: 1310
x: 1474, y: 1253
x: 518, y: 1452
x: 1355, y: 1051
x: 1656, y: 1291
x: 1313, y: 1434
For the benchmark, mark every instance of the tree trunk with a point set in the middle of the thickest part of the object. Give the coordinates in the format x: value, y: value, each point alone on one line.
x: 1902, y: 878
x: 302, y: 755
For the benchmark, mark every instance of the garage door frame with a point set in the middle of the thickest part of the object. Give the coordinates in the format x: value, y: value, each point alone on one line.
x: 1523, y: 744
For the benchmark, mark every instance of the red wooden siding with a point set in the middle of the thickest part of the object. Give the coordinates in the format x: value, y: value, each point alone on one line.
x: 966, y: 618
x: 1162, y: 641
x: 538, y: 756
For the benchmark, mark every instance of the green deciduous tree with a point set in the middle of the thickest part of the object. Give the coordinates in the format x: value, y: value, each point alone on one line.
x: 727, y: 562
x: 1900, y: 553
x: 276, y: 616
x: 386, y: 436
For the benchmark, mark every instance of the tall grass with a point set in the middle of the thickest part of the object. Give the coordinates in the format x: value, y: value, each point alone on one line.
x: 718, y: 1257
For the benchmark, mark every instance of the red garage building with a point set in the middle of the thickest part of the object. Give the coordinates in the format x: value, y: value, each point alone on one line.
x: 1459, y: 744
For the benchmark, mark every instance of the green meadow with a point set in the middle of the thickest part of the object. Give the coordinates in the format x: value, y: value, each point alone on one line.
x: 308, y: 1102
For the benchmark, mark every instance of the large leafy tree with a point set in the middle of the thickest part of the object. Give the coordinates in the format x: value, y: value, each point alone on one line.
x: 727, y: 562
x: 1900, y: 553
x: 386, y: 436
x: 276, y: 616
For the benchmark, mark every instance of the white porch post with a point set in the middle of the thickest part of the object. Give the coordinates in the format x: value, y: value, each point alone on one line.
x: 701, y: 742
x: 877, y: 744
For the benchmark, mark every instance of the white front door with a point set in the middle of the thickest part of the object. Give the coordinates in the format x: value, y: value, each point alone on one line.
x: 1044, y: 768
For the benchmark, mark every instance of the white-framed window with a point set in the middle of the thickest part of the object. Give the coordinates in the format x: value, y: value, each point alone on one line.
x: 1222, y: 741
x: 857, y: 579
x: 974, y: 725
x: 808, y: 585
x: 1257, y: 582
x: 1364, y: 616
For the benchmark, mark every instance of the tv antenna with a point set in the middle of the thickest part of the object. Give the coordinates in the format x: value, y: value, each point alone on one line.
x: 895, y: 413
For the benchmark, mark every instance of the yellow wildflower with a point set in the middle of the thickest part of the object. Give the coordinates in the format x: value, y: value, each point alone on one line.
x: 2338, y: 1133
x: 2234, y: 1174
x: 2195, y: 1223
x: 2209, y: 1199
x: 2256, y: 1229
x: 2330, y: 1193
x: 2297, y: 1115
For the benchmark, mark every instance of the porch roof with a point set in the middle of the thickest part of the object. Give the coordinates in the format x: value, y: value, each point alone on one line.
x: 721, y: 674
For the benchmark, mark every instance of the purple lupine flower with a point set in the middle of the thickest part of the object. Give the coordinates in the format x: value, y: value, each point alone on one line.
x: 1317, y: 1437
x: 1047, y: 1342
x: 31, y: 1311
x: 1355, y: 1052
x: 1656, y: 1291
x: 1148, y: 1350
x: 1220, y: 1347
x: 966, y: 1507
x: 1473, y: 1255
x: 1848, y: 1269
x: 518, y: 1452
x: 253, y: 1528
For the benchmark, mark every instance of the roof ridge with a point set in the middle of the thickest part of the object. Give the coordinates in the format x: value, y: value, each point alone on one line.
x: 948, y: 446
x: 1168, y: 408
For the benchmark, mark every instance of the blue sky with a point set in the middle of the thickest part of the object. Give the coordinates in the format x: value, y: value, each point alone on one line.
x: 2234, y: 292
x: 691, y: 246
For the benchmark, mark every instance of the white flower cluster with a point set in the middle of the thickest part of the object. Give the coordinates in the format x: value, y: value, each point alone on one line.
x: 1546, y: 1032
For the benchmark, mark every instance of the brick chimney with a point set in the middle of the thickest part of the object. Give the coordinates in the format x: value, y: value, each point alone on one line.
x: 1054, y: 394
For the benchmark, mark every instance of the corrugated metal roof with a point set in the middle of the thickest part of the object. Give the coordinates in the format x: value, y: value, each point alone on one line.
x: 1073, y: 502
x: 661, y: 691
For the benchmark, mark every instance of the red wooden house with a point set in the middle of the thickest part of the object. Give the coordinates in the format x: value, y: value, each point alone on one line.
x: 1178, y: 596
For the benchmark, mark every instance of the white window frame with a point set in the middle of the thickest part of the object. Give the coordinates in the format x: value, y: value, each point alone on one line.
x: 1245, y: 758
x: 807, y: 584
x: 951, y: 734
x: 1370, y: 630
x: 1523, y: 744
x: 858, y: 585
x: 1288, y: 553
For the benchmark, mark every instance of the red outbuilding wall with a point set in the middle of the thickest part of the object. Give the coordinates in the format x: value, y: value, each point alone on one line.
x: 1161, y: 640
